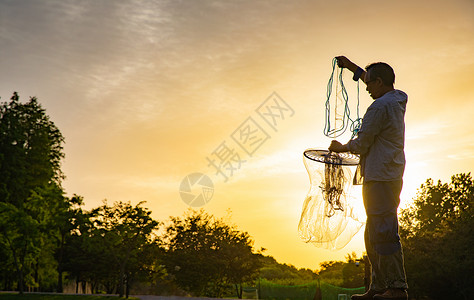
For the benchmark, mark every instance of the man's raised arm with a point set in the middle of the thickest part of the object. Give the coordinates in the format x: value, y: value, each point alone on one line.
x: 344, y: 62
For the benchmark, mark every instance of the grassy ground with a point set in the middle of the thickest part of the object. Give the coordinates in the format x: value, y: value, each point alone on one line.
x: 28, y: 296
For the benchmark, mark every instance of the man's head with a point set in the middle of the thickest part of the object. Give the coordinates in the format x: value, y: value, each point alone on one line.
x: 379, y: 79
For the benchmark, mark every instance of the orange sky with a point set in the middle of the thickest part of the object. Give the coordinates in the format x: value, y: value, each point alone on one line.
x: 145, y: 91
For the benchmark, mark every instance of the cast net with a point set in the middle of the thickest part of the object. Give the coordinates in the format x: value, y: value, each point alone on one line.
x: 328, y: 218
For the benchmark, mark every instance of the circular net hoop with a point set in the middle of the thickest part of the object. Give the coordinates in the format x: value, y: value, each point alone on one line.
x: 327, y: 157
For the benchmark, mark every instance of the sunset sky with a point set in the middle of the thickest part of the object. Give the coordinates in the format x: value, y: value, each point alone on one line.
x: 147, y: 92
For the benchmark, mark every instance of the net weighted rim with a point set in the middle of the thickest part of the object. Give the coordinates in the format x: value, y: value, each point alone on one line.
x: 322, y: 156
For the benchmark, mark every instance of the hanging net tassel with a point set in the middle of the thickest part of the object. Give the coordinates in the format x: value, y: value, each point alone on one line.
x: 334, y: 182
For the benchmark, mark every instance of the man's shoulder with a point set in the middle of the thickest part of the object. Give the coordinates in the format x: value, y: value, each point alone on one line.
x: 390, y: 97
x: 394, y: 95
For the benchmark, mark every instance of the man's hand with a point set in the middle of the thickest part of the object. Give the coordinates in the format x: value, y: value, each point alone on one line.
x: 338, y: 147
x: 344, y: 62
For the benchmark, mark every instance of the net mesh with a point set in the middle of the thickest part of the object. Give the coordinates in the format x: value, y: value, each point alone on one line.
x: 250, y: 293
x: 328, y: 219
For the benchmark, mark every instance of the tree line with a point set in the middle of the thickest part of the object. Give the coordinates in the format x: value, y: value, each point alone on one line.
x: 437, y: 232
x: 47, y: 238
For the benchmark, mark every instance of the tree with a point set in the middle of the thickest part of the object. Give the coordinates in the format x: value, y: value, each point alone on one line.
x: 352, y: 274
x: 31, y: 150
x: 206, y: 255
x: 437, y: 232
x: 21, y: 237
x: 67, y: 216
x: 345, y: 274
x: 82, y: 254
x: 123, y: 231
x: 30, y: 158
x: 284, y: 274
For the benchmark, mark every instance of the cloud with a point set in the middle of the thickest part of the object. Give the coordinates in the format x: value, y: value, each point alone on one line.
x: 426, y: 129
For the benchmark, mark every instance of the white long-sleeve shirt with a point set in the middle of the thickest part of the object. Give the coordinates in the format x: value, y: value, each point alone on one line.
x: 381, y: 138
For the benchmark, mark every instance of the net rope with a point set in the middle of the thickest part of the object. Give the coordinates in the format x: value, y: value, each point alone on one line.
x: 341, y: 120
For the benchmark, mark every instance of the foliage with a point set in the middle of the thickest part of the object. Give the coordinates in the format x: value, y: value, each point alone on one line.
x: 30, y: 178
x: 331, y: 272
x: 284, y: 274
x: 31, y: 149
x: 113, y: 245
x: 345, y: 274
x: 309, y: 291
x: 438, y: 233
x: 56, y: 297
x: 206, y: 255
x: 352, y: 272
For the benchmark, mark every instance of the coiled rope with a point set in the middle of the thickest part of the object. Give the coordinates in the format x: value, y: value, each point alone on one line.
x: 331, y: 131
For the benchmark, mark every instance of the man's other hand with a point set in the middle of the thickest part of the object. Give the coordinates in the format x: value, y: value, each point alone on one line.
x: 338, y: 147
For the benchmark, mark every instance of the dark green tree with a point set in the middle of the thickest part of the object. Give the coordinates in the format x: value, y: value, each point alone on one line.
x: 206, y: 255
x: 111, y: 246
x: 331, y: 272
x: 21, y: 237
x: 31, y: 149
x: 352, y: 272
x: 345, y: 274
x: 124, y: 231
x: 66, y: 218
x: 82, y: 253
x: 438, y: 234
x: 284, y: 274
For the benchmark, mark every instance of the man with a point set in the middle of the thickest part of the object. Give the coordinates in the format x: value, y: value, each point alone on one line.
x: 380, y: 143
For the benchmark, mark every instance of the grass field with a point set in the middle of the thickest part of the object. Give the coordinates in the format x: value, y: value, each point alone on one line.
x: 27, y: 296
